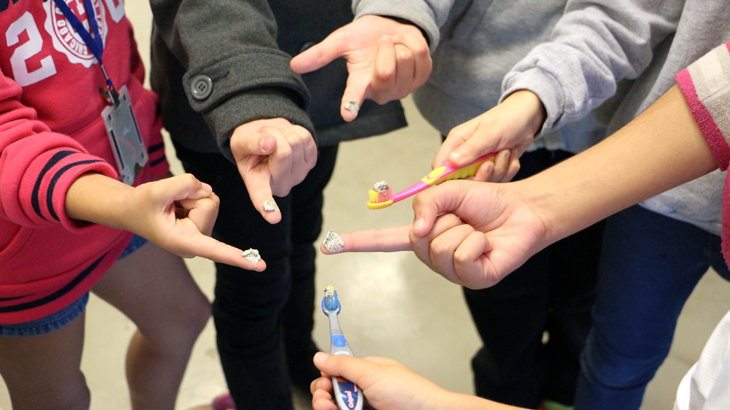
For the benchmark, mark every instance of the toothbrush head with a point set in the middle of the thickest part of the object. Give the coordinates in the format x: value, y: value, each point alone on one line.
x: 330, y: 303
x: 381, y: 196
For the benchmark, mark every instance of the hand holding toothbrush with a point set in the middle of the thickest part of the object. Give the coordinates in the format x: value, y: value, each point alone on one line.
x: 388, y: 385
x: 509, y: 128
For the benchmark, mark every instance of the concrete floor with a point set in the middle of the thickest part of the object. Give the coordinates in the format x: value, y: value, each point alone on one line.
x: 394, y: 305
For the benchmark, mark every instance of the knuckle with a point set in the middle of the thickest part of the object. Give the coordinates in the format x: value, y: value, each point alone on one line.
x: 403, y: 54
x: 189, y: 179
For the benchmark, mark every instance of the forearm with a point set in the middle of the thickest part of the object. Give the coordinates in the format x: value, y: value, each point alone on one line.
x: 97, y: 198
x: 428, y: 15
x: 660, y: 149
x: 232, y: 44
x: 593, y: 46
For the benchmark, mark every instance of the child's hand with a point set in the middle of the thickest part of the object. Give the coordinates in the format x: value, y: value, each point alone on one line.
x: 475, y: 233
x: 178, y: 214
x: 472, y: 233
x: 509, y: 128
x: 385, y: 383
x: 386, y: 60
x: 272, y: 156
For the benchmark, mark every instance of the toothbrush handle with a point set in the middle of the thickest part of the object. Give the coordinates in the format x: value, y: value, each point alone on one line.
x: 439, y: 175
x: 347, y: 395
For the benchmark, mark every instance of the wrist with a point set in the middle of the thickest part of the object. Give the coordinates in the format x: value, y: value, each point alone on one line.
x: 412, y: 24
x: 533, y: 108
x: 96, y: 198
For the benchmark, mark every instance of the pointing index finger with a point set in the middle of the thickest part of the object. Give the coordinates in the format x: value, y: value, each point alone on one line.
x: 319, y: 55
x: 392, y: 239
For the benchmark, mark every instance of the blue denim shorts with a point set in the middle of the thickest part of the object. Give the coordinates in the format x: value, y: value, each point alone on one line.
x: 134, y: 244
x: 66, y: 315
x: 48, y: 324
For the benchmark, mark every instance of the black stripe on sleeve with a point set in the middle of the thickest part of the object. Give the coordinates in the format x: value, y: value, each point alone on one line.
x: 56, y: 177
x: 36, y: 189
x: 55, y: 295
x: 156, y: 147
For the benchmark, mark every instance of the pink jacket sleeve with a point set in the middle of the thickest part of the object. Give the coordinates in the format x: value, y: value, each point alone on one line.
x: 706, y: 88
x: 37, y: 166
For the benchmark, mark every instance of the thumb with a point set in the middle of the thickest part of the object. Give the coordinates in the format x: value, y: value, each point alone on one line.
x: 429, y: 204
x: 182, y: 187
x: 259, y: 143
x: 319, y: 55
x: 351, y: 368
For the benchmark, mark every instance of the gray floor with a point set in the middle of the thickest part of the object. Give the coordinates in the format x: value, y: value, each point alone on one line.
x: 393, y: 305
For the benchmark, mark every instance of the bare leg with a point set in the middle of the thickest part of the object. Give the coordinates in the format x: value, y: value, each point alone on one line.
x: 155, y: 290
x: 43, y: 372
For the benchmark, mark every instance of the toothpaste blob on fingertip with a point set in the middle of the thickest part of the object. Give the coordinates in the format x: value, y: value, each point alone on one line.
x: 251, y: 255
x: 333, y: 242
x: 352, y: 106
x: 269, y: 206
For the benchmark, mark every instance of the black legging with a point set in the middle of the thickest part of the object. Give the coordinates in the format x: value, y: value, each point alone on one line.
x: 261, y: 318
x: 554, y: 292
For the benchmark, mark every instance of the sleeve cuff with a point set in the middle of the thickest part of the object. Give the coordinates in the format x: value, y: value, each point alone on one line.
x: 255, y: 105
x: 417, y: 12
x: 546, y: 87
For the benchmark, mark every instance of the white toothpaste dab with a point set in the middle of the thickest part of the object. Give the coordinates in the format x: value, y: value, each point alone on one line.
x: 251, y: 255
x: 352, y: 106
x: 381, y: 186
x: 269, y: 206
x: 333, y: 242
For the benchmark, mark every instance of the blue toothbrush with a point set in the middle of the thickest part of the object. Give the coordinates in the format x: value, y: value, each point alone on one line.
x: 347, y: 394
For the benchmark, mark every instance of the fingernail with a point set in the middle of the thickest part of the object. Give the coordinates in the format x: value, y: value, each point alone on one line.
x: 265, y: 143
x: 207, y: 187
x: 320, y: 357
x: 419, y: 223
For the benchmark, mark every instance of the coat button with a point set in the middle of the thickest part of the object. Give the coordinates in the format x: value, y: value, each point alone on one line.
x: 201, y: 86
x: 306, y: 45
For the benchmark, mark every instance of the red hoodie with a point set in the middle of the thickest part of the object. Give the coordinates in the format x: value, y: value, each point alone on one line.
x: 51, y: 132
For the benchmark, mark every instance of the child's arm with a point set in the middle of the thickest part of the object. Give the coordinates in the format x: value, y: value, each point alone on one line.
x: 176, y: 213
x: 593, y: 46
x: 389, y: 385
x: 230, y: 52
x: 475, y: 233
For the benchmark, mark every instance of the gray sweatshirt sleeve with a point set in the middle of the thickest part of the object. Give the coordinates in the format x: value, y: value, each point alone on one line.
x: 593, y: 46
x: 429, y: 15
x: 233, y: 44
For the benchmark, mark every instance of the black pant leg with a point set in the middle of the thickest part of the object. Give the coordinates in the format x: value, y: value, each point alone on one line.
x: 553, y: 291
x: 248, y: 305
x: 298, y: 315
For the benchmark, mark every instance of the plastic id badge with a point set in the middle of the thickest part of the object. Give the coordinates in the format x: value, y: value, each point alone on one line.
x: 124, y: 137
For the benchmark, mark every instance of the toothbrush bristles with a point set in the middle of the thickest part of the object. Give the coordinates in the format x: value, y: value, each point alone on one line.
x: 378, y: 197
x: 330, y: 298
